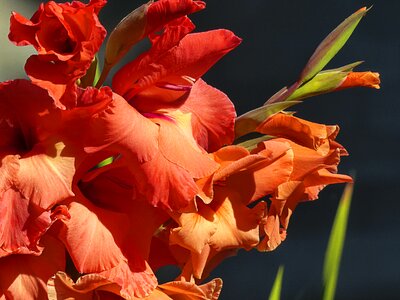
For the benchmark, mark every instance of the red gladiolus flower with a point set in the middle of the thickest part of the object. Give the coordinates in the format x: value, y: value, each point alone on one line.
x: 144, y: 174
x: 66, y: 36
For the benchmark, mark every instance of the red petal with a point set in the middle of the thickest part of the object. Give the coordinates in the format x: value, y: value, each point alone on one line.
x: 22, y: 30
x: 20, y: 226
x: 213, y: 116
x: 194, y: 55
x: 164, y: 11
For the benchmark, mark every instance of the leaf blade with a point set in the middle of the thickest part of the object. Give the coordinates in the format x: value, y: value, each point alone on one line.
x: 277, y: 286
x: 335, y: 245
x: 249, y: 121
x: 331, y: 45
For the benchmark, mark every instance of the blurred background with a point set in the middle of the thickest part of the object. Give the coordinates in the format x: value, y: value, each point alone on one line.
x: 278, y: 39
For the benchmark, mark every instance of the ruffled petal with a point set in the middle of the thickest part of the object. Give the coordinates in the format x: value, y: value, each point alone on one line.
x: 66, y: 36
x: 238, y: 225
x: 213, y: 116
x: 136, y: 279
x: 195, y: 229
x: 305, y: 133
x: 192, y: 57
x: 57, y: 173
x: 274, y: 233
x: 61, y: 287
x: 178, y: 146
x: 205, y: 104
x: 190, y: 291
x: 23, y: 224
x: 162, y: 12
x: 263, y: 176
x: 25, y: 276
x: 120, y: 128
x: 92, y: 236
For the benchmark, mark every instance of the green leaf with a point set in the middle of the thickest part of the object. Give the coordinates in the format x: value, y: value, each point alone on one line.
x: 249, y: 121
x: 335, y: 245
x: 92, y: 74
x: 98, y: 73
x: 331, y: 45
x: 105, y: 162
x: 276, y: 288
x: 252, y: 144
x: 324, y: 82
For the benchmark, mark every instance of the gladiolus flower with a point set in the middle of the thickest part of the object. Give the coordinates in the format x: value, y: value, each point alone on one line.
x: 66, y: 36
x: 144, y: 174
x: 316, y: 157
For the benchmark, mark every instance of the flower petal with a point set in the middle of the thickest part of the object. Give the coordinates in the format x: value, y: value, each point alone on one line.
x: 55, y: 182
x: 21, y: 224
x: 213, y: 116
x: 120, y: 128
x: 25, y: 276
x: 303, y: 132
x: 135, y: 279
x: 61, y: 287
x: 191, y: 291
x: 92, y: 236
x: 192, y: 57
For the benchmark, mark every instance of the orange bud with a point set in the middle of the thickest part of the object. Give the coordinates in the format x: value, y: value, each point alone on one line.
x: 367, y: 79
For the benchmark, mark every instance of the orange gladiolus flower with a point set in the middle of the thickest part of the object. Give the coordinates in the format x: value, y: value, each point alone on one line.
x: 315, y: 161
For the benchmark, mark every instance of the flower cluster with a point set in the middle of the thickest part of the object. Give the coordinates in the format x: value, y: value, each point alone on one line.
x: 101, y: 186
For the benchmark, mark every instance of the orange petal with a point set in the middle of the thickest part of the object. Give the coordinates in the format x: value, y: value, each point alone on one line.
x: 25, y: 276
x: 178, y: 146
x: 189, y: 291
x: 303, y: 132
x: 205, y: 104
x: 120, y: 128
x: 367, y: 79
x: 136, y: 279
x: 237, y: 225
x: 61, y: 287
x: 274, y: 233
x: 262, y: 177
x: 195, y: 229
x: 93, y: 235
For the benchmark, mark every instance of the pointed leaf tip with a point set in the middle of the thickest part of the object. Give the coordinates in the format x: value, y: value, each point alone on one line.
x: 331, y: 45
x: 277, y: 287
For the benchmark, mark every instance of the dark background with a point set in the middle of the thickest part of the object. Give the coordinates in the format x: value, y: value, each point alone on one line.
x: 278, y: 39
